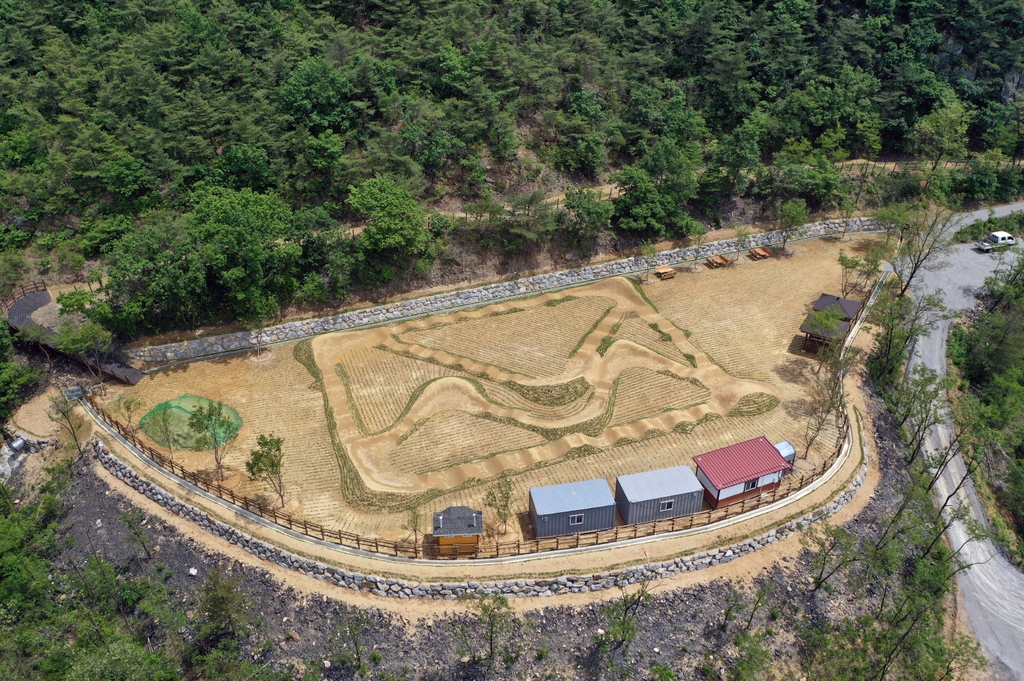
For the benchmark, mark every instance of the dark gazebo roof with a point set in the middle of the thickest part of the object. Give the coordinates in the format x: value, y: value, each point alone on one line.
x: 848, y: 308
x: 815, y: 331
x: 458, y: 521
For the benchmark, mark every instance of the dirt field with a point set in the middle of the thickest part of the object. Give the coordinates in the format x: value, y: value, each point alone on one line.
x: 598, y: 381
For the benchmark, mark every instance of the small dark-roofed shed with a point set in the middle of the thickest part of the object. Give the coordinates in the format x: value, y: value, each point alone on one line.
x: 458, y: 530
x: 572, y: 507
x: 657, y: 495
x: 739, y: 471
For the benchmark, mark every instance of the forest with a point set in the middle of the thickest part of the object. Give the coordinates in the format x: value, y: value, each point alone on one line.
x: 215, y: 153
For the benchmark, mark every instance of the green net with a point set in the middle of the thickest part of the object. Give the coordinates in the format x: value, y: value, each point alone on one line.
x: 167, y: 424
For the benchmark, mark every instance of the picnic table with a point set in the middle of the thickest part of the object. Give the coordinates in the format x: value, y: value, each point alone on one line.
x: 664, y: 272
x: 716, y: 261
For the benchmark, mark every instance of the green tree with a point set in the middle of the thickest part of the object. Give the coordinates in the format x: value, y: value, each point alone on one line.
x: 897, y: 320
x: 588, y: 215
x: 212, y: 430
x: 15, y: 379
x: 317, y: 94
x: 266, y: 463
x: 61, y: 411
x: 622, y: 618
x: 942, y: 134
x: 395, y: 232
x: 648, y: 251
x: 792, y: 217
x: 133, y: 521
x: 499, y: 500
x: 926, y: 236
x: 223, y: 612
x: 495, y: 616
x: 850, y: 266
x: 833, y: 549
x: 87, y: 339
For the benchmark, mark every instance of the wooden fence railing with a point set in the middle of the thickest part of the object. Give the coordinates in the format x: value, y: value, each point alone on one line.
x: 427, y: 547
x: 20, y: 292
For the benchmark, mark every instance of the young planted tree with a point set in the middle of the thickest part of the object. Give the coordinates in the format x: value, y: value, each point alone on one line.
x: 413, y: 520
x: 495, y: 616
x: 648, y: 251
x: 697, y: 239
x: 137, y: 536
x: 266, y: 463
x: 622, y: 618
x: 851, y: 266
x: 743, y: 235
x: 350, y: 630
x: 163, y: 427
x: 793, y: 216
x: 262, y: 309
x: 833, y: 548
x: 897, y: 320
x: 129, y: 407
x: 212, y: 430
x: 72, y: 426
x: 223, y: 611
x: 499, y: 500
x: 927, y: 235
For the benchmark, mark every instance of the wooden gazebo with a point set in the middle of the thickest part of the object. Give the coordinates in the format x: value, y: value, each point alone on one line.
x: 846, y: 311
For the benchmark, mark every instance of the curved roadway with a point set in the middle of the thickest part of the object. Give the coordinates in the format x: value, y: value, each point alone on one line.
x: 993, y: 589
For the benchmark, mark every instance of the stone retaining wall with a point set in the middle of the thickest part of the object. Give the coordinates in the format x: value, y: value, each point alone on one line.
x: 522, y: 588
x: 455, y: 300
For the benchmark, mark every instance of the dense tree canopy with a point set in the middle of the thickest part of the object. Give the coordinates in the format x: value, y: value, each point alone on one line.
x: 118, y: 118
x: 130, y: 103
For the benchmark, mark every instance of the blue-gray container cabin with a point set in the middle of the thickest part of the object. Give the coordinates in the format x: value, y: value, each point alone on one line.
x: 657, y: 495
x: 571, y: 508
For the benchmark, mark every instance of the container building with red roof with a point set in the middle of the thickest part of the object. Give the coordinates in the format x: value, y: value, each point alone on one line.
x: 740, y: 471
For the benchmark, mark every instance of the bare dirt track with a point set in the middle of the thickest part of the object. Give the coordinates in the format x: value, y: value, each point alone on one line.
x: 609, y: 381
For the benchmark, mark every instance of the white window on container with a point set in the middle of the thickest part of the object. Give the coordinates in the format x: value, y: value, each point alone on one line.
x: 750, y: 484
x: 668, y: 505
x: 576, y: 519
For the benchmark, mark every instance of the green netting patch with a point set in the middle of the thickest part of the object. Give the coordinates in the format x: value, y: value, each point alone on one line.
x: 167, y: 423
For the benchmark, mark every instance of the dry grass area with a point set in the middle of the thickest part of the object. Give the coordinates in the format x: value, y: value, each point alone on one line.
x: 598, y: 382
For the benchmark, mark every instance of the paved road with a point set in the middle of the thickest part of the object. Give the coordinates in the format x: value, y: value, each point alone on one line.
x: 993, y: 589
